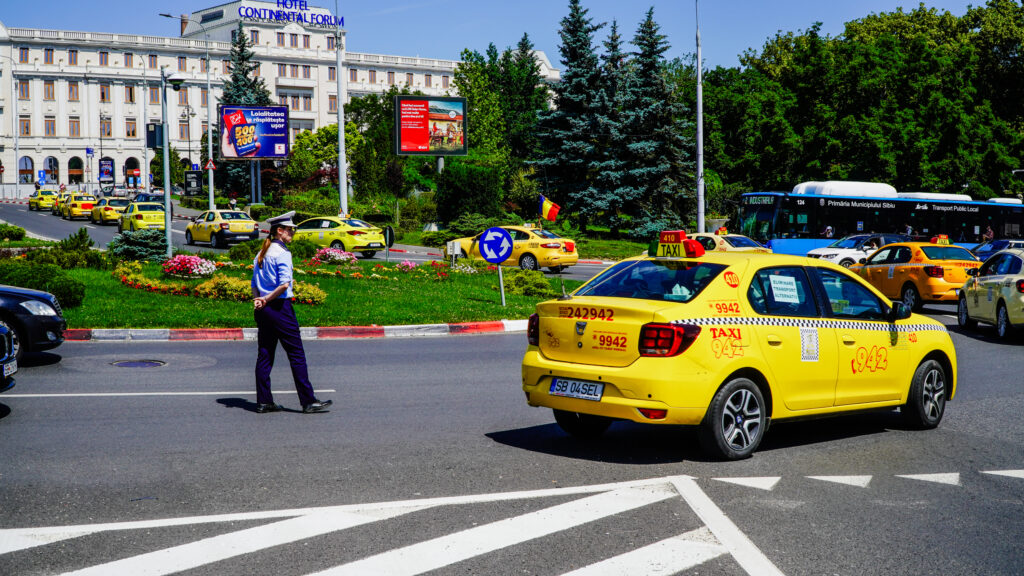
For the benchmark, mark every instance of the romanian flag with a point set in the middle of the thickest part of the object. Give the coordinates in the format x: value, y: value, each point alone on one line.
x: 548, y: 209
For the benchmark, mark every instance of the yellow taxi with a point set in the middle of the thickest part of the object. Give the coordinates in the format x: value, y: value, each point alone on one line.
x: 722, y: 241
x: 348, y: 234
x: 41, y: 199
x: 532, y: 249
x: 142, y: 216
x: 219, y: 227
x: 994, y: 293
x: 108, y: 210
x: 730, y: 341
x: 55, y: 208
x: 77, y: 206
x: 918, y: 272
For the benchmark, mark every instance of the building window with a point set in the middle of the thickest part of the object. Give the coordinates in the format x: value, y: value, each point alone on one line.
x: 293, y: 40
x: 280, y: 38
x: 129, y: 94
x: 205, y: 128
x: 373, y: 76
x: 105, y: 127
x: 295, y: 70
x: 104, y: 92
x: 152, y: 62
x: 203, y: 96
x: 408, y: 79
x: 182, y: 63
x: 48, y: 90
x: 183, y: 96
x: 25, y: 126
x: 154, y: 95
x: 128, y: 59
x: 203, y: 64
x: 332, y: 103
x: 74, y: 127
x: 332, y: 73
x: 73, y: 90
x: 254, y: 36
x: 23, y: 55
x: 305, y: 71
x: 23, y: 90
x: 234, y: 36
x: 282, y: 100
x: 47, y: 55
x: 428, y: 80
x: 282, y: 70
x: 305, y: 40
x: 444, y: 81
x: 50, y: 126
x: 391, y: 78
x: 104, y: 58
x: 307, y: 103
x: 295, y: 102
x: 256, y: 70
x: 72, y: 57
x: 330, y: 42
x: 130, y: 130
x: 183, y: 131
x: 353, y: 74
x: 225, y: 67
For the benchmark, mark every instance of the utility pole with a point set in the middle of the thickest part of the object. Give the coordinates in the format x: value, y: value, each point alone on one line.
x: 700, y: 130
x: 342, y: 161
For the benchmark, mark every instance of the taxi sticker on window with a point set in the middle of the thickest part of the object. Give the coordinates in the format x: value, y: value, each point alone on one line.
x: 784, y: 289
x: 585, y: 313
x: 808, y: 344
x: 727, y: 342
x: 615, y: 341
x: 873, y: 360
x: 724, y: 307
x: 840, y: 306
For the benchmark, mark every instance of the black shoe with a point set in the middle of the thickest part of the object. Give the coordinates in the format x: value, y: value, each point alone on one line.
x: 316, y: 406
x: 264, y: 408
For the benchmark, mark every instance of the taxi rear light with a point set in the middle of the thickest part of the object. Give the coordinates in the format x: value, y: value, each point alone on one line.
x: 224, y: 225
x: 551, y: 245
x: 108, y: 209
x: 356, y: 232
x: 653, y: 414
x: 138, y: 216
x: 1020, y: 286
x: 933, y: 271
x: 664, y: 340
x: 570, y: 246
x: 533, y: 330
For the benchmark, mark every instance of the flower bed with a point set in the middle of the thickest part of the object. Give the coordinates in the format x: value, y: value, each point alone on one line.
x: 218, y: 286
x: 183, y: 266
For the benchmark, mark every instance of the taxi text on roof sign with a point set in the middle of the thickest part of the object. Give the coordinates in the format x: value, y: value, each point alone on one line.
x: 675, y: 244
x: 942, y: 239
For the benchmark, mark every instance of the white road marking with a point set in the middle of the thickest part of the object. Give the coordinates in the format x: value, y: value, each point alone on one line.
x: 859, y: 481
x: 447, y: 550
x: 951, y: 479
x: 128, y: 394
x: 1010, y: 473
x: 668, y: 556
x: 763, y: 483
x: 742, y: 549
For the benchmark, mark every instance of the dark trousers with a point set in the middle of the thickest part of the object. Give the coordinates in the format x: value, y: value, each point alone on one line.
x: 276, y: 323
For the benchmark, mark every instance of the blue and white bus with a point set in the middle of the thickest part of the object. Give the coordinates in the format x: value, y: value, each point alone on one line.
x: 794, y: 222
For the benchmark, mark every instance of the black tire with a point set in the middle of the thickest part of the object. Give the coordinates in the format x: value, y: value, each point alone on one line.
x: 911, y: 297
x: 337, y: 245
x: 19, y: 350
x: 582, y: 426
x: 735, y: 422
x: 846, y: 263
x: 120, y: 227
x: 963, y: 316
x: 188, y: 238
x: 528, y: 262
x: 557, y: 269
x: 369, y: 254
x: 1004, y: 328
x: 215, y: 241
x: 926, y: 402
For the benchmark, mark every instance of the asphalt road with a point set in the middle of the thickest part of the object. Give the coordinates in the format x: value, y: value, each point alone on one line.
x: 432, y: 462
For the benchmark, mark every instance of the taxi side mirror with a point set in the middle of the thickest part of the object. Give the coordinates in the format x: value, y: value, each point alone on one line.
x: 899, y: 311
x: 972, y: 271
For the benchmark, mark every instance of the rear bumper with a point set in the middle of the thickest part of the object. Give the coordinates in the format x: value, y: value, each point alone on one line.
x: 549, y: 260
x: 239, y: 236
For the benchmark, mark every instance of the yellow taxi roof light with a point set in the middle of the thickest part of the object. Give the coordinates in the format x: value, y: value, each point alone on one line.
x: 675, y: 243
x: 722, y: 231
x: 941, y: 239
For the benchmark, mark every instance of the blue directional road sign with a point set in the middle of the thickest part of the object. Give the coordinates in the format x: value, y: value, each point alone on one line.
x: 42, y: 176
x: 496, y: 245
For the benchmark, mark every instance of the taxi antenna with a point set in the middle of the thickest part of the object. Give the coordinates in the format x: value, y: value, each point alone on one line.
x: 564, y: 296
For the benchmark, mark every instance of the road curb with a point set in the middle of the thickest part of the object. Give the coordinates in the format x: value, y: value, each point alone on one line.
x: 309, y: 333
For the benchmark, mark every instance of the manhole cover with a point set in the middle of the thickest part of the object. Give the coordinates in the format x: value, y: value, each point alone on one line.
x: 138, y: 363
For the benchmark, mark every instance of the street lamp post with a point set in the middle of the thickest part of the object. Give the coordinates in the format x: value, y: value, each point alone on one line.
x: 187, y: 113
x: 342, y: 160
x: 15, y: 129
x: 209, y: 107
x: 102, y: 118
x: 176, y: 82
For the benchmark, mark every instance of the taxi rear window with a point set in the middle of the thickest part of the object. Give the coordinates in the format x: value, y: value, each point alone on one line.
x: 546, y: 234
x: 234, y: 216
x: 149, y: 208
x: 357, y: 223
x: 947, y: 253
x: 668, y: 280
x: 118, y: 202
x: 741, y: 242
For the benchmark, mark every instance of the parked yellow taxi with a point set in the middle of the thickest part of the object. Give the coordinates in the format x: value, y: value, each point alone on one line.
x: 142, y: 216
x: 77, y: 206
x: 108, y: 210
x: 730, y: 341
x: 41, y: 199
x: 722, y: 241
x: 55, y: 209
x: 532, y: 249
x: 994, y: 293
x: 918, y: 272
x: 348, y: 234
x: 219, y: 227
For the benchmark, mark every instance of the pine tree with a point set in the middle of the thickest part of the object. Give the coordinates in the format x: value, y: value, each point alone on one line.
x: 523, y: 96
x: 652, y: 189
x: 567, y: 133
x: 611, y: 166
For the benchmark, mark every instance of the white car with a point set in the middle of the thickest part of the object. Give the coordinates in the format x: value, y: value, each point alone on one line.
x: 848, y: 250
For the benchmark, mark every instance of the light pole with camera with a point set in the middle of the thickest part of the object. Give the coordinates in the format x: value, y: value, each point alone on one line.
x: 187, y: 114
x: 176, y: 81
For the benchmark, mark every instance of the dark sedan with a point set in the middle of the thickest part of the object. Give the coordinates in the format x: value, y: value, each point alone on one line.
x: 986, y: 249
x: 7, y: 360
x: 34, y: 319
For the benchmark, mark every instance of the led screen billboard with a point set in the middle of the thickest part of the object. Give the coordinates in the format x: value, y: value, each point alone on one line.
x: 430, y: 126
x: 253, y: 132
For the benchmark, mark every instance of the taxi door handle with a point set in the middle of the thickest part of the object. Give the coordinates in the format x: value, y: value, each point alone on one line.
x: 849, y: 340
x: 774, y: 340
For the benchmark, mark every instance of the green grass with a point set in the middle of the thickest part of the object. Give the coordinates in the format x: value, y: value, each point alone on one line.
x: 596, y: 249
x: 350, y: 302
x: 26, y: 243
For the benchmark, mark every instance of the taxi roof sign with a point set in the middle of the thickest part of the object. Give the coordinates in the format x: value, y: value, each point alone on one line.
x: 942, y: 239
x: 722, y: 231
x: 674, y: 243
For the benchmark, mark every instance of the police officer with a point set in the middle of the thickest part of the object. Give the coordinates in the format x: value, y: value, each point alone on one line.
x: 275, y: 318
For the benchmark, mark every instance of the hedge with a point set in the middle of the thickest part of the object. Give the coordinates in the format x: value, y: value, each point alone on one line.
x: 46, y: 277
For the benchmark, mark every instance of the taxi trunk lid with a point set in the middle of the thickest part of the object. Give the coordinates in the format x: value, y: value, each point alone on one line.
x: 587, y: 330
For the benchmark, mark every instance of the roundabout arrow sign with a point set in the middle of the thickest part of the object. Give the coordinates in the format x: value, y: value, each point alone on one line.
x: 496, y: 245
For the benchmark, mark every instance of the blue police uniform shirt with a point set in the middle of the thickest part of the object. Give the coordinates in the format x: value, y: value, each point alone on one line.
x: 276, y: 270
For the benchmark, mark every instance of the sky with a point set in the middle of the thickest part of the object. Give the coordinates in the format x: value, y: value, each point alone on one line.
x: 443, y: 28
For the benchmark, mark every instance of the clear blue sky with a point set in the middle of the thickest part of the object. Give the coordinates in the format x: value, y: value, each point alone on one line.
x: 442, y: 28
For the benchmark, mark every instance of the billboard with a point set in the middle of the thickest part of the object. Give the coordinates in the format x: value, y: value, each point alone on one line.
x: 193, y: 182
x: 106, y: 173
x: 253, y: 132
x: 430, y: 126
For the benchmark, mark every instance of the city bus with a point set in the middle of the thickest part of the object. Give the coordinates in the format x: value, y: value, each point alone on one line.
x: 794, y: 222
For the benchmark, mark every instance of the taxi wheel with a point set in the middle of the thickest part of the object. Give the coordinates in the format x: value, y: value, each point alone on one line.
x: 215, y: 241
x: 369, y: 254
x: 337, y: 245
x: 963, y: 316
x: 188, y: 238
x: 735, y: 422
x: 1004, y: 329
x: 927, y: 399
x: 528, y: 262
x: 911, y: 297
x: 582, y: 426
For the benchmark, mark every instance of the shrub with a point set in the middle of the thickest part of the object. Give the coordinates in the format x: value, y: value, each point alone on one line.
x: 11, y: 233
x: 67, y: 260
x: 46, y: 277
x: 302, y: 249
x: 471, y: 184
x: 78, y: 241
x: 438, y: 239
x: 225, y: 288
x: 245, y: 251
x: 527, y: 283
x: 306, y: 293
x: 148, y: 245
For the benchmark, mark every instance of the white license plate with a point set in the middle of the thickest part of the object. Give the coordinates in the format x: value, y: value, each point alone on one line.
x: 375, y: 245
x: 10, y: 368
x: 576, y: 389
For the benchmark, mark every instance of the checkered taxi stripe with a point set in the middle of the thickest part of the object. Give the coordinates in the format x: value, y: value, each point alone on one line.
x: 811, y: 323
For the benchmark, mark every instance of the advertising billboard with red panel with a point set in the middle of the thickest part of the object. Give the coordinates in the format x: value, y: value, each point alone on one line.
x: 430, y: 126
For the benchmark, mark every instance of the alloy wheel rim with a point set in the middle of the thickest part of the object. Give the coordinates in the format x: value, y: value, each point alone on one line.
x: 962, y: 312
x: 741, y: 419
x: 909, y: 299
x: 1003, y: 322
x: 933, y: 395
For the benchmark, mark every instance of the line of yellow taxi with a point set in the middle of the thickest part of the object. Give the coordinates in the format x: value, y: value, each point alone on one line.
x: 77, y: 205
x: 142, y: 216
x: 730, y: 341
x: 42, y: 199
x: 108, y: 210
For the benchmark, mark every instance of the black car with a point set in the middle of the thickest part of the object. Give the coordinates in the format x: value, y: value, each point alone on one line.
x: 10, y: 365
x: 986, y: 249
x: 34, y: 319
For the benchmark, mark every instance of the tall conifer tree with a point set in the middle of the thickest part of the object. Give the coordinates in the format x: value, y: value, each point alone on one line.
x: 610, y: 167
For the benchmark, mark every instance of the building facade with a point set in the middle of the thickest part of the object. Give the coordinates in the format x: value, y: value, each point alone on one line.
x: 69, y: 99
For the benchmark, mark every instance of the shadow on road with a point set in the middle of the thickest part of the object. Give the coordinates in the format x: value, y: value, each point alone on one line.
x: 816, y: 431
x: 39, y: 359
x: 4, y: 411
x: 247, y: 405
x: 622, y: 443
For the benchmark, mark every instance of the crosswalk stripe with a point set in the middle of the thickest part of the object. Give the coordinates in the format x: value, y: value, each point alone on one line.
x: 1010, y: 473
x: 859, y: 481
x: 217, y: 548
x: 951, y: 479
x: 446, y: 550
x: 668, y: 556
x: 761, y: 483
